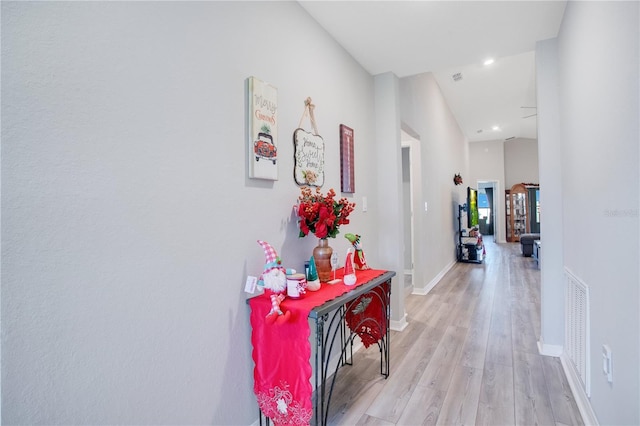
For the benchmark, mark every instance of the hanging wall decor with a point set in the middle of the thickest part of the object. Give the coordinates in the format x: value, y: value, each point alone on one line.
x: 347, y: 175
x: 263, y: 130
x: 308, y: 151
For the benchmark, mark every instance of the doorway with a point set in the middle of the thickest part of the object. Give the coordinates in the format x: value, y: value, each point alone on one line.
x: 408, y: 157
x: 487, y: 208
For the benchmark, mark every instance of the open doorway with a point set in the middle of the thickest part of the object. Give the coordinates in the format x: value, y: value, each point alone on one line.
x: 487, y: 195
x: 408, y: 173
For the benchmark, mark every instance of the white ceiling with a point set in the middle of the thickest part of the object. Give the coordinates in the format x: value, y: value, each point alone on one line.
x: 448, y: 37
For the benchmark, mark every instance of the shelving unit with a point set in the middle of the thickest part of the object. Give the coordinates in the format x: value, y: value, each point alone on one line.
x: 517, y: 212
x: 470, y: 249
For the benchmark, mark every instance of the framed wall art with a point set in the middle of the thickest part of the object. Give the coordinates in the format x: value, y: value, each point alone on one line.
x: 347, y: 163
x: 263, y: 130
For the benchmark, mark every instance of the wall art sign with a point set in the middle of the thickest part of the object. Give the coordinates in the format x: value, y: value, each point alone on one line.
x: 347, y: 163
x: 263, y: 130
x: 308, y: 151
x: 309, y: 158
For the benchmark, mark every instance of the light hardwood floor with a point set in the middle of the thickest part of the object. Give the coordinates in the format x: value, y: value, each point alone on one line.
x: 468, y: 356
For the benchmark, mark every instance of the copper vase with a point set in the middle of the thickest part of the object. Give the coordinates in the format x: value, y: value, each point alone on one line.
x: 322, y: 256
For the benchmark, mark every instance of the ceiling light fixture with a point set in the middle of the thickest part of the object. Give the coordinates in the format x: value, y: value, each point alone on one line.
x: 496, y: 128
x: 489, y: 61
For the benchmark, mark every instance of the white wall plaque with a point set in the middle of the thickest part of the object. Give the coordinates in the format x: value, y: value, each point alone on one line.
x: 263, y: 130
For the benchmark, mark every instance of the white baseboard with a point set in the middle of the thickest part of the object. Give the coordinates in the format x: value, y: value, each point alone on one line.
x: 425, y: 290
x: 579, y: 394
x: 400, y: 324
x: 408, y: 291
x: 550, y: 350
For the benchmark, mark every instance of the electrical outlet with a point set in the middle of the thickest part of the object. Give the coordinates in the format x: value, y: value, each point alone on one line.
x: 607, y: 367
x: 364, y: 204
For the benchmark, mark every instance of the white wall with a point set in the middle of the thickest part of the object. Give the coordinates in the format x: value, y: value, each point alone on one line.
x: 599, y: 102
x: 128, y: 222
x: 520, y: 161
x: 551, y: 226
x: 388, y: 173
x: 443, y: 153
x: 487, y: 163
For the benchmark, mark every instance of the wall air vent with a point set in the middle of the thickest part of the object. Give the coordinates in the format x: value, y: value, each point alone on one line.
x: 577, y: 325
x: 457, y: 76
x: 479, y: 131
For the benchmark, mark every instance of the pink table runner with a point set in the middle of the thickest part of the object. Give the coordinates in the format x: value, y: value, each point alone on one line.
x: 281, y: 352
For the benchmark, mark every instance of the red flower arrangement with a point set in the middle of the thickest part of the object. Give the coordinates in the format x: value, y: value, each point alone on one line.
x: 322, y: 215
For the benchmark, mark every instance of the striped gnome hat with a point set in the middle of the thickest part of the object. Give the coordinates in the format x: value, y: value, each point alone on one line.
x: 349, y: 271
x: 271, y: 260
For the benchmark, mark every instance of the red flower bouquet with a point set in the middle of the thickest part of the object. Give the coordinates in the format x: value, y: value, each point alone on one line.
x: 322, y: 215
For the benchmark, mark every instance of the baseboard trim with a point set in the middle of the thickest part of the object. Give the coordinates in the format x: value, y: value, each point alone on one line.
x: 579, y: 394
x: 408, y: 290
x: 550, y: 350
x: 400, y: 324
x: 425, y: 290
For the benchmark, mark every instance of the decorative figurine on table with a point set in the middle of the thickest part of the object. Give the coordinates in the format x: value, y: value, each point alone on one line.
x: 274, y: 279
x: 313, y: 281
x: 334, y: 266
x: 358, y: 258
x: 349, y: 269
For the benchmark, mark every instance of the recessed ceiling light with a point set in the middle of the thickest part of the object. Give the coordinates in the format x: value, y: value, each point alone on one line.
x: 496, y: 128
x: 489, y: 61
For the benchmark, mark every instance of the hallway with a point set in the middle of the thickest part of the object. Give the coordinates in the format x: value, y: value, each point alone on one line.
x: 468, y: 356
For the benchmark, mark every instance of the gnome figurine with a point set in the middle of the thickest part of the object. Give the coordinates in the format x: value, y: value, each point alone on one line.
x: 349, y: 270
x: 358, y: 259
x: 313, y: 281
x: 274, y: 279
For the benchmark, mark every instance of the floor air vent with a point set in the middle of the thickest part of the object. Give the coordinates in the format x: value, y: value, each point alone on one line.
x: 577, y: 328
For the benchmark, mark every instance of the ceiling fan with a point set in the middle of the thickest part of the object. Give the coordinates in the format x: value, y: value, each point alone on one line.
x: 531, y: 115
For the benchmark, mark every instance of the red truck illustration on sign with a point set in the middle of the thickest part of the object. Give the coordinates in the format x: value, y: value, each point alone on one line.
x: 264, y: 148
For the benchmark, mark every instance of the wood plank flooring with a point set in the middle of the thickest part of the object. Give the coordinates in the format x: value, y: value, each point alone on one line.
x: 469, y: 356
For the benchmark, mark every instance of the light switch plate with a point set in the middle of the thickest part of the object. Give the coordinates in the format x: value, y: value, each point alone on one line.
x: 607, y: 368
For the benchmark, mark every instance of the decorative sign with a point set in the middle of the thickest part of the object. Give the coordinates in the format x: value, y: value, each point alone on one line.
x: 347, y: 176
x: 309, y: 158
x: 263, y: 130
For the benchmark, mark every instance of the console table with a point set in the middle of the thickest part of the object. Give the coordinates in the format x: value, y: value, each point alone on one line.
x: 282, y: 352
